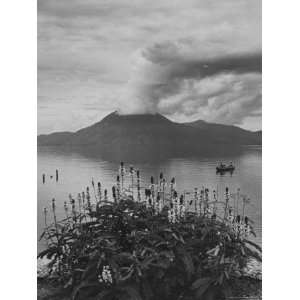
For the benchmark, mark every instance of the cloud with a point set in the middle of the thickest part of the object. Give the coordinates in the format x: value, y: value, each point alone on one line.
x: 121, y: 53
x: 225, y: 98
x: 186, y: 81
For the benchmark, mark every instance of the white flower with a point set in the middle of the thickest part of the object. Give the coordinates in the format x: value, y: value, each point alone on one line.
x: 105, y: 276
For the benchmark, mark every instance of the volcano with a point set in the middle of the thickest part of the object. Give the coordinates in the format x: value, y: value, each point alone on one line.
x: 150, y: 134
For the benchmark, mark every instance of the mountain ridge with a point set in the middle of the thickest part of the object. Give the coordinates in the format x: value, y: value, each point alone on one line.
x: 115, y: 113
x: 150, y: 134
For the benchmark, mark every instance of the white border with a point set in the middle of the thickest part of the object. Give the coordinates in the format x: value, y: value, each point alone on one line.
x: 281, y: 180
x: 281, y: 115
x: 18, y: 150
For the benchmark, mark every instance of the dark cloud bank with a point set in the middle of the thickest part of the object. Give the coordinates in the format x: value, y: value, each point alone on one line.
x: 177, y: 80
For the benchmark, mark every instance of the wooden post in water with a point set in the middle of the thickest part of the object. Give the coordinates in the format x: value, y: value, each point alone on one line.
x: 44, y: 178
x: 56, y: 175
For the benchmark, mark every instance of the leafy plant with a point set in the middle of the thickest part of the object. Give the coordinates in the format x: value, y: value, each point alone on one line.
x: 129, y: 249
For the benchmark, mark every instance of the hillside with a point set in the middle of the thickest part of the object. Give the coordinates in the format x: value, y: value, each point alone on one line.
x: 150, y: 134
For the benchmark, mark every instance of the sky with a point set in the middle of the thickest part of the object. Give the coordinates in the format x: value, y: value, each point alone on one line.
x: 188, y: 60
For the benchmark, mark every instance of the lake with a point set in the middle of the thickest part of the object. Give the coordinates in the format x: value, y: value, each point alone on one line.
x: 76, y: 171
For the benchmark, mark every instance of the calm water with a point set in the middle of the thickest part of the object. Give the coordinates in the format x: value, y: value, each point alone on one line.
x: 77, y: 170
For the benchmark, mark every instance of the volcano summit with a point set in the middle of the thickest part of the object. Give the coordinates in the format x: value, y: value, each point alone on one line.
x: 150, y: 134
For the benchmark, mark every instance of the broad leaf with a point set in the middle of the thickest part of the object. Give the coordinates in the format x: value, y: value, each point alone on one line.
x: 201, y: 282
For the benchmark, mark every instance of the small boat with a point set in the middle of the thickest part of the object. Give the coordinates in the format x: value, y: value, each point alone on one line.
x: 224, y: 168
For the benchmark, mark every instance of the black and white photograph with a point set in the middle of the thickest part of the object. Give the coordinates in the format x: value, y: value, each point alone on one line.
x: 149, y: 149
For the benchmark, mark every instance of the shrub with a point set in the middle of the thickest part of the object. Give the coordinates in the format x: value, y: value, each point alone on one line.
x: 130, y: 250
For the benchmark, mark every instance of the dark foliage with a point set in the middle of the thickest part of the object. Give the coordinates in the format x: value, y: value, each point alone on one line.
x: 125, y: 250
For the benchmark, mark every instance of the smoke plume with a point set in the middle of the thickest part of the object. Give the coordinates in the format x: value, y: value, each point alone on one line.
x: 186, y: 81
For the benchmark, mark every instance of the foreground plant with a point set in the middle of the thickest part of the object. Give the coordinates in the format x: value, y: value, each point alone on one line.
x: 128, y: 250
x: 161, y: 247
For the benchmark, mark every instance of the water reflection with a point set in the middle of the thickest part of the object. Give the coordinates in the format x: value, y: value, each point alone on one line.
x: 149, y: 154
x: 222, y: 173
